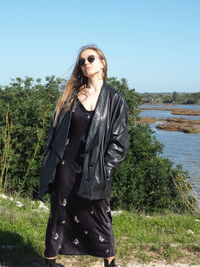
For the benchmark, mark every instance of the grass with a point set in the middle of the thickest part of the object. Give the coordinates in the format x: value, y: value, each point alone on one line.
x: 157, y: 237
x: 169, y: 237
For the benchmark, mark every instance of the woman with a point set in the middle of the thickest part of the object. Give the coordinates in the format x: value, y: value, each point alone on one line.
x: 88, y: 140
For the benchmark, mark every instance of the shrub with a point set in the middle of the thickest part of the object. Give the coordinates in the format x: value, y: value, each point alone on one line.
x: 26, y: 111
x: 145, y: 181
x: 148, y: 182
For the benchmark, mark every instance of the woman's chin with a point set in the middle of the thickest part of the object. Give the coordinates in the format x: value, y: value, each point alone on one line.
x: 91, y: 74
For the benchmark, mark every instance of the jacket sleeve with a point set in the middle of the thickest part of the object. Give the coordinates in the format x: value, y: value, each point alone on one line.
x: 49, y: 137
x: 118, y: 142
x: 50, y: 134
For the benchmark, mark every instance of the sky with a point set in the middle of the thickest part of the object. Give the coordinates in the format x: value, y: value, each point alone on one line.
x: 153, y: 44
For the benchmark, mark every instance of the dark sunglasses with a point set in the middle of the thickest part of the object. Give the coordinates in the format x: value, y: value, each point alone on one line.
x: 90, y: 59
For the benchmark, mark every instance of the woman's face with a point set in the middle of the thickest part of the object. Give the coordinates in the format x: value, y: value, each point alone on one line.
x: 93, y: 68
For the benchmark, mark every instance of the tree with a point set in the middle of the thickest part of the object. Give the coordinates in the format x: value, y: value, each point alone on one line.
x: 174, y: 97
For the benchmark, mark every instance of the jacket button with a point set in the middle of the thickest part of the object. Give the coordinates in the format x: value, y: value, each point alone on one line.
x: 62, y: 162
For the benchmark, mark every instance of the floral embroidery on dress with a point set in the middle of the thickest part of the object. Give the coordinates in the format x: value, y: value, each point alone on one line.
x: 92, y: 212
x: 74, y: 109
x: 76, y: 242
x: 107, y: 250
x: 56, y: 236
x: 64, y: 203
x: 76, y: 219
x: 108, y: 209
x: 101, y: 238
x: 85, y: 232
x: 63, y: 222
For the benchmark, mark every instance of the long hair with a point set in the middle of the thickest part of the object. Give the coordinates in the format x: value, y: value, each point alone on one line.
x: 77, y: 81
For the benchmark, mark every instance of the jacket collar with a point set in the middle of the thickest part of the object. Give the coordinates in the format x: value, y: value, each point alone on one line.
x: 95, y: 127
x: 95, y: 130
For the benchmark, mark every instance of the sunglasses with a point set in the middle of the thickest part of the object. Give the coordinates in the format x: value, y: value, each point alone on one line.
x: 90, y: 59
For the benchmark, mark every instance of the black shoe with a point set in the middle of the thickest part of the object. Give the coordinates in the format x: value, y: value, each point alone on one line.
x: 50, y: 263
x: 112, y: 264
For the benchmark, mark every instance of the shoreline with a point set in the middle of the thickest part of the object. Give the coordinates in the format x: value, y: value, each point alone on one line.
x: 174, y: 124
x: 176, y: 111
x: 168, y: 104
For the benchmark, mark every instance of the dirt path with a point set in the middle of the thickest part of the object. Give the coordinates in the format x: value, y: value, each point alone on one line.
x: 74, y: 263
x: 159, y: 265
x: 71, y: 263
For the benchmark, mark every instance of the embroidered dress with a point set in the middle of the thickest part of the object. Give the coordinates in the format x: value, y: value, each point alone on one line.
x: 77, y: 226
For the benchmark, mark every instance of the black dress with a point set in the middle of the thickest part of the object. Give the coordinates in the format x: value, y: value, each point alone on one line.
x: 77, y: 226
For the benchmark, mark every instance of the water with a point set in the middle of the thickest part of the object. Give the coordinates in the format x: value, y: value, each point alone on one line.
x: 193, y: 107
x: 180, y: 147
x: 163, y: 114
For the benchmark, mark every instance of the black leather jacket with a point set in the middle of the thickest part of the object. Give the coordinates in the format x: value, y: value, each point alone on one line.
x: 106, y: 146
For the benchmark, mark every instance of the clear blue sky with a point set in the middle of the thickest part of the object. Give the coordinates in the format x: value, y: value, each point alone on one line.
x: 154, y: 44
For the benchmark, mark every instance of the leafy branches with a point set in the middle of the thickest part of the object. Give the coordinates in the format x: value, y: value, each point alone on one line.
x: 145, y: 181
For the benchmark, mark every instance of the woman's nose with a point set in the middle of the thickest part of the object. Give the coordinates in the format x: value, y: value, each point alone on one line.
x: 86, y: 61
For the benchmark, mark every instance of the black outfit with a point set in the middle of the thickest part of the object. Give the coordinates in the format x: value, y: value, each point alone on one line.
x: 106, y: 146
x: 77, y: 226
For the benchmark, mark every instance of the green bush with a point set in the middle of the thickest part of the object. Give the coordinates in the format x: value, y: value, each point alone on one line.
x: 25, y: 114
x: 145, y: 181
x: 148, y: 182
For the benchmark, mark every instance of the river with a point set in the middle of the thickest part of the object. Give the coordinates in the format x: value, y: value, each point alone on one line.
x: 181, y: 148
